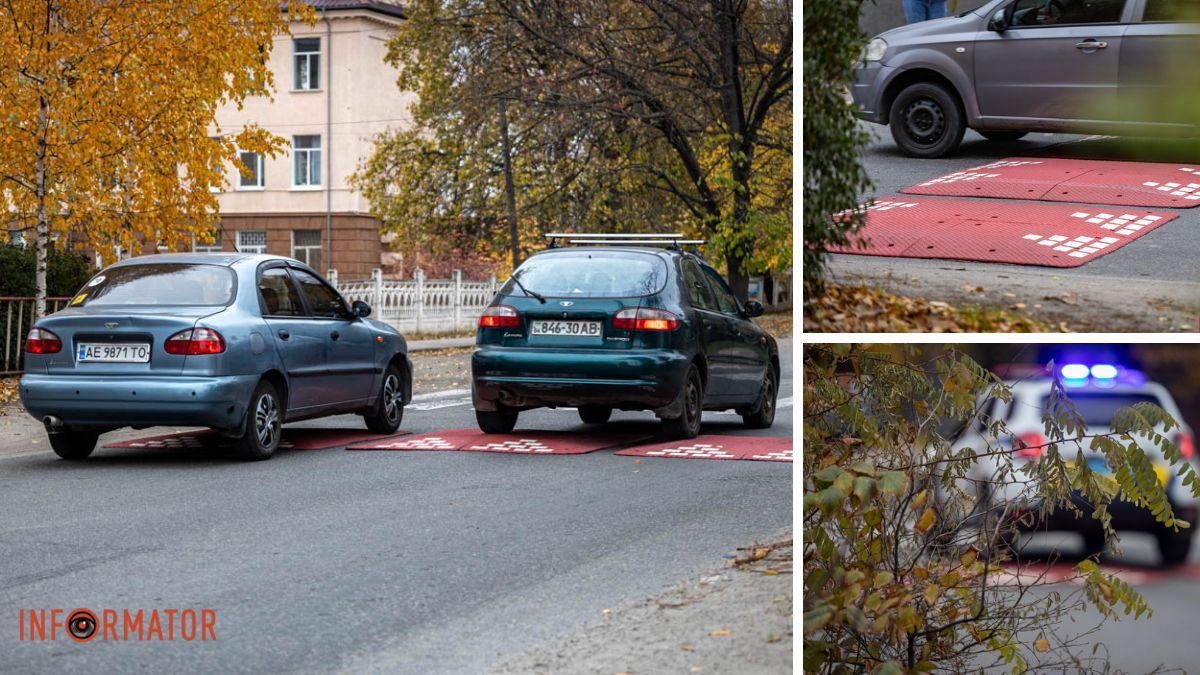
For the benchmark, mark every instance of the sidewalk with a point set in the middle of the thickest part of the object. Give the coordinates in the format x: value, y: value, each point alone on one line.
x: 734, y: 620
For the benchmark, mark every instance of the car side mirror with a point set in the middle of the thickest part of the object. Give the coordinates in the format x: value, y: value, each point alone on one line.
x: 360, y: 309
x: 999, y: 21
x: 753, y: 308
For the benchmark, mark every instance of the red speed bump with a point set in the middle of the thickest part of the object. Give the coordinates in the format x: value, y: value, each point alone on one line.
x: 1072, y: 180
x: 519, y: 443
x: 293, y: 439
x: 759, y: 448
x: 1053, y: 235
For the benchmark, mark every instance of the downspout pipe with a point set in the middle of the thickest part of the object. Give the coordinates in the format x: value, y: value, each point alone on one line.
x: 328, y: 151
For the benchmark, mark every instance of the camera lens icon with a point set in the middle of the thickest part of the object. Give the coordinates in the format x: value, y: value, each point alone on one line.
x: 81, y: 625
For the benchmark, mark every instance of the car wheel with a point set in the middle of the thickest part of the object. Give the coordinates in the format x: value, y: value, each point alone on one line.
x: 73, y: 445
x: 1003, y: 136
x: 593, y: 414
x: 762, y: 416
x: 687, y: 424
x: 263, y: 425
x: 496, y: 421
x: 389, y: 410
x: 1174, y: 547
x: 927, y: 121
x: 1094, y: 544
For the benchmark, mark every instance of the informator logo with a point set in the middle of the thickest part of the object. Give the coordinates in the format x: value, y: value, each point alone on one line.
x: 123, y: 625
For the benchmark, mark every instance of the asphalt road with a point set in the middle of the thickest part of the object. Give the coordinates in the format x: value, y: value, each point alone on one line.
x: 412, y: 562
x: 1158, y: 268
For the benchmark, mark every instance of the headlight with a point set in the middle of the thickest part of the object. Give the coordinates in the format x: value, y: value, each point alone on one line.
x: 875, y: 50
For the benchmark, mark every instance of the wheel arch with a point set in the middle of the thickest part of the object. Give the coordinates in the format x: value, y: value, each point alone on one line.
x: 918, y: 75
x: 280, y: 382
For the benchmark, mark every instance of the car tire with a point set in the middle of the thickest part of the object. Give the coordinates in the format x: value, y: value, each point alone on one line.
x: 927, y: 120
x: 388, y: 412
x: 687, y: 424
x: 262, y: 426
x: 1174, y: 547
x: 1094, y: 544
x: 1003, y: 136
x: 762, y: 415
x: 73, y: 445
x: 594, y: 414
x: 496, y: 421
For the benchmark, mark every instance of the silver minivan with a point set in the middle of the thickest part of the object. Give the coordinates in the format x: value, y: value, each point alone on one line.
x: 1121, y: 67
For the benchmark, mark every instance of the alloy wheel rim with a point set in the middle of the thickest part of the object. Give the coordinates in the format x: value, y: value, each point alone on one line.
x: 769, y: 398
x: 693, y: 404
x: 266, y: 420
x: 925, y: 121
x: 391, y: 397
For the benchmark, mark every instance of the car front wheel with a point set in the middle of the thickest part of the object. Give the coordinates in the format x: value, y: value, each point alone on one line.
x: 927, y: 121
x: 496, y: 421
x: 592, y: 414
x: 385, y: 417
x: 762, y: 415
x: 73, y: 445
x: 262, y: 426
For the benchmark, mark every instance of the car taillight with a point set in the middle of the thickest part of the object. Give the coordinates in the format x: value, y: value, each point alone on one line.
x: 499, y: 316
x: 42, y: 341
x: 1187, y: 444
x: 1031, y: 445
x: 195, y: 341
x: 645, y: 318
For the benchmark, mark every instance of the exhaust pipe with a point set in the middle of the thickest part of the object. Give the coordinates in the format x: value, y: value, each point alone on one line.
x: 52, y: 423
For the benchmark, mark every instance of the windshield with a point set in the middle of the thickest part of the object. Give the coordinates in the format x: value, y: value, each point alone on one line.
x: 159, y: 284
x: 591, y: 274
x: 1098, y: 409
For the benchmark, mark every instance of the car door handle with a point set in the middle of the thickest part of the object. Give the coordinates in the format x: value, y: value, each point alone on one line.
x: 335, y: 336
x: 1091, y: 44
x: 284, y: 335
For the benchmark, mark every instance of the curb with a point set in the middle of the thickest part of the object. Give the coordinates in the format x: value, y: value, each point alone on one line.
x: 444, y: 343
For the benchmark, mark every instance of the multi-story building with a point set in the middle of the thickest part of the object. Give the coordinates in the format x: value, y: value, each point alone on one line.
x: 334, y: 94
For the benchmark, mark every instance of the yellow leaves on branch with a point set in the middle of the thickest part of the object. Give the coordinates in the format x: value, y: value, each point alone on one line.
x: 109, y: 109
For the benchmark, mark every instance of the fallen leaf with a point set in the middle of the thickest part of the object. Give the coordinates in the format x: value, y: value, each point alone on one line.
x: 721, y: 632
x: 687, y: 647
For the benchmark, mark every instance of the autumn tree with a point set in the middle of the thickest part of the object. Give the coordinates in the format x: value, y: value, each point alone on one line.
x: 621, y: 115
x: 107, y: 111
x: 902, y: 547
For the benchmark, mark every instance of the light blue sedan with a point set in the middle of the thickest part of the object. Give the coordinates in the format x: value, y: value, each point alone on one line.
x: 236, y: 342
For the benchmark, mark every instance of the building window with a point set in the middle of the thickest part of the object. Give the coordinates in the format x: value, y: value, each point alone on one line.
x: 217, y: 168
x: 251, y: 176
x: 251, y: 241
x: 306, y: 161
x: 306, y: 59
x: 198, y: 245
x: 306, y: 247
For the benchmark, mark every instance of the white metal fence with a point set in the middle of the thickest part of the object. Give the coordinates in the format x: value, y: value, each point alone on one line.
x: 421, y: 305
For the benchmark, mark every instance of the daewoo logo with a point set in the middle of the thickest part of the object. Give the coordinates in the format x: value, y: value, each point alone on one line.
x: 111, y: 324
x: 566, y: 303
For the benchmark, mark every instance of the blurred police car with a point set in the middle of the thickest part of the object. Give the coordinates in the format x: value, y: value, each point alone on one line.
x: 1097, y: 391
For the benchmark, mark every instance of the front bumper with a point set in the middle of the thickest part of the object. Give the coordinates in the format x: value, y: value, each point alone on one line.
x: 114, y: 401
x: 870, y: 81
x: 531, y: 378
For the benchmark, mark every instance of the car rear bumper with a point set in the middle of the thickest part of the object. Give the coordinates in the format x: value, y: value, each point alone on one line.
x: 138, y: 401
x: 531, y: 378
x: 1126, y: 516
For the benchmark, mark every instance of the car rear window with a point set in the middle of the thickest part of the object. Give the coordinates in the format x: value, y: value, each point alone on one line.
x: 591, y: 274
x: 1098, y: 409
x: 159, y: 284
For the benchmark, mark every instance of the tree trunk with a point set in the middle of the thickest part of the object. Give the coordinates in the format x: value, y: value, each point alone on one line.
x: 738, y: 146
x: 42, y: 231
x: 510, y: 189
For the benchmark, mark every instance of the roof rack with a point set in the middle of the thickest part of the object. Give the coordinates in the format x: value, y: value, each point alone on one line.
x: 616, y: 239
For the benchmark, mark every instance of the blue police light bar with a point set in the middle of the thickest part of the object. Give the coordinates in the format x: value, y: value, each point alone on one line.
x: 1075, y: 371
x: 1104, y: 371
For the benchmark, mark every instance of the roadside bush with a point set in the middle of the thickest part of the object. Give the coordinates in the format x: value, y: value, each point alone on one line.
x: 834, y: 177
x: 902, y: 547
x: 66, y: 270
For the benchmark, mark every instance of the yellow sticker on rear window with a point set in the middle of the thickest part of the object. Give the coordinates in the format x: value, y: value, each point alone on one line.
x: 78, y: 300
